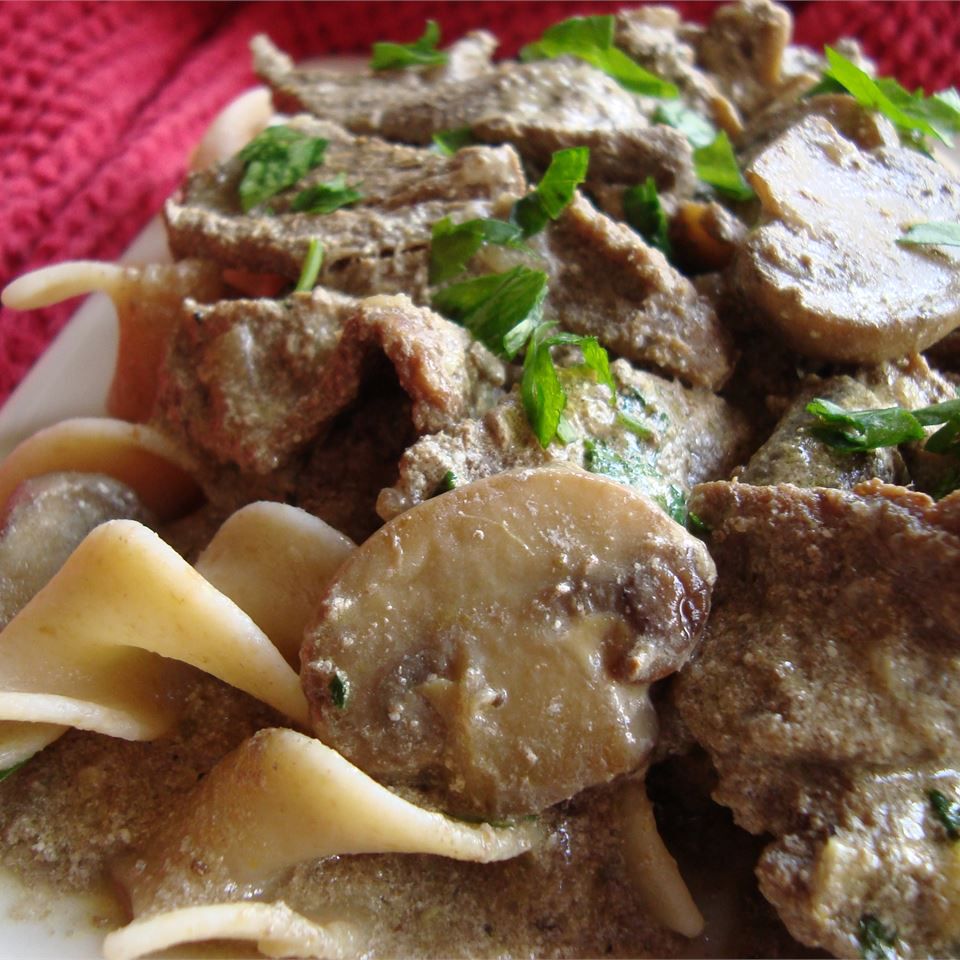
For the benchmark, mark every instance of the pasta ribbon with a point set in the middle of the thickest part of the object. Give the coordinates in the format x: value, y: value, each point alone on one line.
x: 98, y: 647
x: 274, y: 561
x: 282, y: 798
x: 278, y: 930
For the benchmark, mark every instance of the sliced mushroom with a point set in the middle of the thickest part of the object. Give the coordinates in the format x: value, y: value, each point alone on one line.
x: 496, y: 643
x: 826, y: 269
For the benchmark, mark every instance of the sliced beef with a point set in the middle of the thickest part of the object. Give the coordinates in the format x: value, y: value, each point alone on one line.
x: 743, y: 48
x: 658, y: 39
x: 235, y: 381
x: 793, y: 454
x: 404, y: 190
x: 563, y: 93
x: 826, y: 694
x: 618, y: 158
x: 446, y: 373
x: 825, y: 268
x: 690, y: 435
x: 606, y: 282
x: 366, y: 91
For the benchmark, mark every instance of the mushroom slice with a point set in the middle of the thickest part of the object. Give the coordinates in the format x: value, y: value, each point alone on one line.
x: 279, y: 799
x: 274, y: 561
x: 145, y: 460
x: 496, y: 643
x: 826, y: 268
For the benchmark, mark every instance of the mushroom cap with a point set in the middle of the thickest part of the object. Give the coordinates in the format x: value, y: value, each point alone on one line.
x: 495, y: 644
x: 825, y: 268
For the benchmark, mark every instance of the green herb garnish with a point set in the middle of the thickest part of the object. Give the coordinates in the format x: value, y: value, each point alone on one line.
x: 947, y: 812
x: 447, y: 483
x: 716, y: 165
x: 274, y: 160
x: 543, y: 395
x: 644, y: 212
x: 10, y: 771
x: 567, y: 170
x: 856, y: 431
x: 422, y: 52
x: 452, y: 245
x: 339, y: 690
x: 311, y: 267
x: 699, y: 131
x: 591, y: 39
x: 448, y: 142
x: 326, y: 197
x: 935, y: 232
x: 877, y: 941
x: 499, y: 309
x: 914, y: 115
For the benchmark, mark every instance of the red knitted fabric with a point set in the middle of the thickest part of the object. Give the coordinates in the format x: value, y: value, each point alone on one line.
x: 102, y: 102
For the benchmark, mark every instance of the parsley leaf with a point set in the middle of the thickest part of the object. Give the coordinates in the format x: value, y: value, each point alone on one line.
x: 452, y: 245
x: 876, y: 940
x: 422, y: 52
x: 274, y: 160
x: 10, y: 771
x: 642, y: 208
x: 311, y: 267
x: 591, y: 39
x: 339, y: 690
x: 716, y: 165
x: 567, y: 170
x: 934, y: 232
x: 326, y: 197
x: 499, y: 309
x: 859, y: 430
x: 914, y: 115
x: 543, y: 395
x: 947, y: 812
x: 448, y: 142
x: 447, y: 483
x: 856, y: 431
x: 696, y: 128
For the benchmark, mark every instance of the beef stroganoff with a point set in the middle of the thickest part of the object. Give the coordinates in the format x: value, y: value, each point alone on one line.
x: 526, y: 519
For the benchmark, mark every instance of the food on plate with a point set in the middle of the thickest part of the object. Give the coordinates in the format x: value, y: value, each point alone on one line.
x: 526, y: 520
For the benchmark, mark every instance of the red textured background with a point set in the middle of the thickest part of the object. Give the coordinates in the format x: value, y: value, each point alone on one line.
x: 101, y: 103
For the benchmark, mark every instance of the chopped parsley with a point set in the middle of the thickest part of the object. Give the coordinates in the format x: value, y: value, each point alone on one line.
x: 499, y: 309
x: 699, y: 131
x: 448, y: 142
x: 914, y: 115
x: 274, y: 160
x: 877, y: 941
x: 935, y: 232
x: 447, y: 483
x: 311, y: 267
x: 591, y: 39
x: 567, y: 170
x: 452, y: 245
x: 541, y: 390
x: 856, y: 431
x: 644, y: 212
x: 422, y: 52
x: 339, y: 690
x: 947, y: 812
x: 716, y: 165
x: 10, y: 771
x: 326, y: 197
